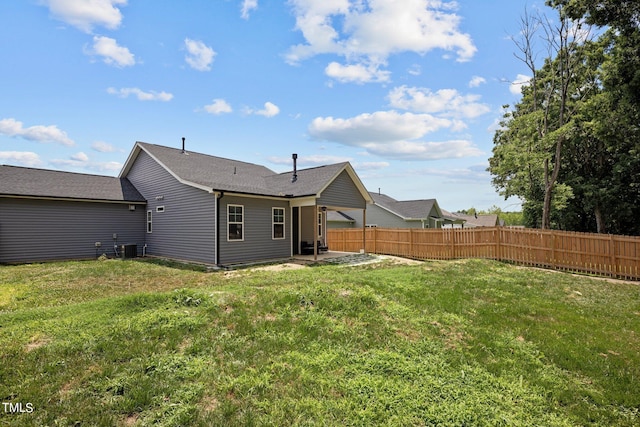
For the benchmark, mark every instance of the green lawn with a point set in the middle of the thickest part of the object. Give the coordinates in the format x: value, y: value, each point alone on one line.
x: 441, y: 343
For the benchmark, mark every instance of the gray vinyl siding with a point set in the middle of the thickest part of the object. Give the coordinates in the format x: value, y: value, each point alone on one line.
x: 342, y: 193
x: 340, y: 224
x: 45, y: 230
x: 186, y: 228
x: 383, y: 218
x: 258, y: 243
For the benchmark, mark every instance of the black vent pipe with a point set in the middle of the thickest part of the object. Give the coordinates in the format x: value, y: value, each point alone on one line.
x: 294, y: 178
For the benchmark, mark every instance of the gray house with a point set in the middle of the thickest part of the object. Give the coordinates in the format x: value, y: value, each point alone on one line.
x: 48, y: 215
x: 388, y: 212
x: 177, y: 204
x: 220, y: 211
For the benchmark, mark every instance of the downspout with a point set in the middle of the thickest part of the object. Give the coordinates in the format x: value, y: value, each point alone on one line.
x: 217, y: 226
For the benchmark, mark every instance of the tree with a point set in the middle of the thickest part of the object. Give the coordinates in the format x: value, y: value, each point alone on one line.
x: 528, y: 149
x: 608, y: 128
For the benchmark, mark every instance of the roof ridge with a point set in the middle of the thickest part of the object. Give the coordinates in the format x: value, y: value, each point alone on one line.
x: 314, y: 167
x: 61, y: 171
x: 204, y: 154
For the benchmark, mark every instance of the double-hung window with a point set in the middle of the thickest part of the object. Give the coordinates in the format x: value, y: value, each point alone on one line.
x: 235, y: 222
x: 278, y: 223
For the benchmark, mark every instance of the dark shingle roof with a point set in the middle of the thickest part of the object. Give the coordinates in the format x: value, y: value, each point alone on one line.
x: 30, y: 182
x: 339, y: 216
x: 217, y: 173
x: 489, y: 220
x: 407, y: 209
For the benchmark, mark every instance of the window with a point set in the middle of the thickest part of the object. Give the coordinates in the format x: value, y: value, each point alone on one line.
x: 160, y: 209
x: 320, y: 225
x: 235, y: 222
x: 149, y: 221
x: 278, y: 223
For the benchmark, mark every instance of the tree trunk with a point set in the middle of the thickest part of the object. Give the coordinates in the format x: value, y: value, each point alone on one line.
x: 600, y: 226
x: 549, y: 183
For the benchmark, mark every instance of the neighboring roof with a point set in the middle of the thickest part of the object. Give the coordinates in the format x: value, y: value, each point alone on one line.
x: 407, y: 209
x: 339, y: 216
x: 43, y: 183
x: 213, y: 173
x: 490, y: 220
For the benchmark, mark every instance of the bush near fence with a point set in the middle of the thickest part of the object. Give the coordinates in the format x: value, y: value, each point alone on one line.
x: 600, y: 254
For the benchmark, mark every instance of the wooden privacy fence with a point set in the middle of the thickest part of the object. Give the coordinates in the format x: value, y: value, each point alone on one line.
x: 601, y: 254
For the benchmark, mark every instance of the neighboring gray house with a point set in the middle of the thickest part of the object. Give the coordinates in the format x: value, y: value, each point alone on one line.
x: 173, y: 203
x: 48, y: 215
x: 388, y: 212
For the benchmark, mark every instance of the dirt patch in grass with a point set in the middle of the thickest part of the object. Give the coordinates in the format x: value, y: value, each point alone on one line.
x: 36, y: 342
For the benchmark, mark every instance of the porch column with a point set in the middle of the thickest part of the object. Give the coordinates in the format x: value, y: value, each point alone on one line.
x: 315, y: 233
x: 364, y: 230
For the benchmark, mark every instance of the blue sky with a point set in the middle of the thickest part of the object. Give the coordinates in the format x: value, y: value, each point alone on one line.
x: 408, y: 91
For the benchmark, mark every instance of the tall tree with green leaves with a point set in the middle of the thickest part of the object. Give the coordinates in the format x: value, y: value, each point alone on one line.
x: 528, y: 149
x: 604, y: 171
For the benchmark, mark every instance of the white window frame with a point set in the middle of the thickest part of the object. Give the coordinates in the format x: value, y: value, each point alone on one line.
x: 149, y: 221
x: 274, y: 223
x: 159, y: 208
x: 229, y: 222
x: 320, y: 225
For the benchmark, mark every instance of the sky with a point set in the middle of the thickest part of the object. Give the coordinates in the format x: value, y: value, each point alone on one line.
x: 410, y: 92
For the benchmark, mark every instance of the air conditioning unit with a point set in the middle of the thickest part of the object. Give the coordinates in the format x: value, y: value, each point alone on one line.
x: 128, y: 251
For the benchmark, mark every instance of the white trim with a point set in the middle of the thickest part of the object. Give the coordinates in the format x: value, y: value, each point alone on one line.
x: 235, y: 222
x: 160, y: 208
x: 273, y: 223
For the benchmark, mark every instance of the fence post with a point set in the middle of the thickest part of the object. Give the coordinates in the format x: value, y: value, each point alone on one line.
x: 498, y: 232
x: 553, y: 249
x: 612, y: 252
x: 375, y: 240
x: 453, y: 243
x: 411, y: 243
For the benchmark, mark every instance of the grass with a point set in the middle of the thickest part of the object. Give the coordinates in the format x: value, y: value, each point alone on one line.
x: 441, y: 343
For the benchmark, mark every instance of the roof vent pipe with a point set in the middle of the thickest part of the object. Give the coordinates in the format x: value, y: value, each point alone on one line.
x: 183, y: 138
x: 294, y: 178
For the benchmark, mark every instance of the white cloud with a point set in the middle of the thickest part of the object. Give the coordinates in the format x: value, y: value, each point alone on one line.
x: 219, y: 106
x: 111, y: 53
x: 103, y: 147
x: 369, y: 32
x: 14, y: 128
x: 356, y: 73
x: 83, y: 162
x: 84, y: 14
x: 477, y: 81
x: 140, y: 94
x: 21, y: 158
x: 248, y: 6
x: 521, y: 81
x: 378, y: 127
x: 421, y: 150
x: 415, y: 70
x: 199, y: 56
x: 270, y: 110
x: 80, y: 157
x: 445, y: 102
x: 393, y: 135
